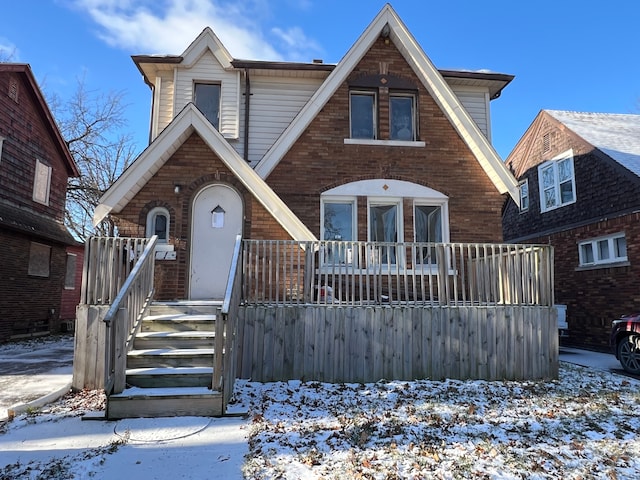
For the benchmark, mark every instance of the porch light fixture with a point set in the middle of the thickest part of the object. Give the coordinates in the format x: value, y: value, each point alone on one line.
x: 176, y: 189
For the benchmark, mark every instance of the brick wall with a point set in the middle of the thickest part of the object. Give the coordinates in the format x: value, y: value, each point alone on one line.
x: 594, y: 297
x: 27, y: 299
x: 320, y: 160
x: 192, y: 166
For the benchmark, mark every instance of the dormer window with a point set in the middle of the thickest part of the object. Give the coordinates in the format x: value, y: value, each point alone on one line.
x: 206, y: 96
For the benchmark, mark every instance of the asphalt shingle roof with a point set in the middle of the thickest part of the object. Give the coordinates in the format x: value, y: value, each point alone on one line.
x: 615, y: 134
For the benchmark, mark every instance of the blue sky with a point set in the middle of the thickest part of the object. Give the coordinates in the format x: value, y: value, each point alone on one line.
x: 577, y: 55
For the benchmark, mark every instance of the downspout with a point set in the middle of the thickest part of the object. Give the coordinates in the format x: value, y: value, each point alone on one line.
x: 247, y: 96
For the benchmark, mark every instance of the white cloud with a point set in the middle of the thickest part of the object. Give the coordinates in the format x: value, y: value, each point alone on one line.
x: 296, y: 43
x: 8, y: 51
x: 169, y: 26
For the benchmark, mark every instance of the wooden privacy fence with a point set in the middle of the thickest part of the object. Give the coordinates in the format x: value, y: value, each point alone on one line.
x: 366, y: 344
x: 280, y: 272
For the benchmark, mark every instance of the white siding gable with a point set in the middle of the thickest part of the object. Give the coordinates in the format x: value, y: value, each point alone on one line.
x: 208, y: 70
x: 475, y: 100
x: 275, y: 101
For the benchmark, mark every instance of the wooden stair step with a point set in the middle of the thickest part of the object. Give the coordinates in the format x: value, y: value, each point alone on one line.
x: 164, y: 402
x: 165, y: 377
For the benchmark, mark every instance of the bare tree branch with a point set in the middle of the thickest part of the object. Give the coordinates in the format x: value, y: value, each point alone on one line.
x: 92, y: 124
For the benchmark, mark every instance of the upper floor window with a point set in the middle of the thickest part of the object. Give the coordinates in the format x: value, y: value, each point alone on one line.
x: 158, y: 224
x: 207, y: 99
x: 603, y: 250
x: 42, y: 183
x: 524, y: 195
x: 402, y: 108
x: 557, y: 182
x: 363, y: 110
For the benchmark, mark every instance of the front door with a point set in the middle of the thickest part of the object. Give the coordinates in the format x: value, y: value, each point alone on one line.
x: 216, y: 220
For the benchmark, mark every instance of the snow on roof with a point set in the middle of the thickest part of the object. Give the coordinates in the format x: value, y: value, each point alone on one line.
x: 617, y: 135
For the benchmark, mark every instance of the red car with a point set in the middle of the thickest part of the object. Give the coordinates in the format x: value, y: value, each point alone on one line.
x: 625, y: 340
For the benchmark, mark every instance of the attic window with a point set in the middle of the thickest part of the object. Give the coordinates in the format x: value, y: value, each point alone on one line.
x: 206, y: 96
x: 13, y: 90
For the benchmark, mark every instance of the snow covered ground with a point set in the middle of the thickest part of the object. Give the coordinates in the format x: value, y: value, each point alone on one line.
x: 582, y: 426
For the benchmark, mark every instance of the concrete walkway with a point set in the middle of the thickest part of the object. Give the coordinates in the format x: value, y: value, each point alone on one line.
x: 34, y: 372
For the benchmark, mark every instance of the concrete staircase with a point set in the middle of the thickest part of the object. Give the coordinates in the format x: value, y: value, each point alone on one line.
x: 170, y: 368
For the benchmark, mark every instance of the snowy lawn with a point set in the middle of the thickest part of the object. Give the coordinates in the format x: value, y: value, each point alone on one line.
x: 581, y: 427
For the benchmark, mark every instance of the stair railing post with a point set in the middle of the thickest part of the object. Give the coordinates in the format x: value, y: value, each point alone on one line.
x: 120, y: 352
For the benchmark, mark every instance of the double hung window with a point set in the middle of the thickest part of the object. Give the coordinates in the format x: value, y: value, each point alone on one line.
x: 338, y: 225
x: 363, y: 108
x: 557, y: 182
x: 402, y: 117
x: 428, y: 229
x: 384, y: 227
x: 524, y: 195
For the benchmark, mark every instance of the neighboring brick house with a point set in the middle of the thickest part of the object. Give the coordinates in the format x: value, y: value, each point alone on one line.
x: 380, y: 147
x: 580, y: 176
x: 35, y: 165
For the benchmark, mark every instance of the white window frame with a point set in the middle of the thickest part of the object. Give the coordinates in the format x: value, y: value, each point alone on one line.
x: 593, y: 244
x: 42, y: 183
x: 398, y: 255
x: 414, y: 122
x: 525, y: 197
x: 553, y: 165
x: 374, y: 113
x: 354, y: 212
x: 218, y: 123
x: 151, y: 221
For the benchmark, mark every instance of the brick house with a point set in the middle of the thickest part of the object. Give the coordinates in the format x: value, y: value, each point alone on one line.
x: 35, y: 164
x: 305, y: 220
x: 579, y: 175
x: 380, y: 147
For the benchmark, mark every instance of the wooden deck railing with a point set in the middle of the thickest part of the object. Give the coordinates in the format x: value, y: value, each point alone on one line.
x: 108, y: 261
x: 366, y: 273
x: 131, y: 263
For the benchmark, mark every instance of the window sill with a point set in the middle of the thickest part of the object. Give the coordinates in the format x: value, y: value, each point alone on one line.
x: 600, y: 266
x: 383, y: 143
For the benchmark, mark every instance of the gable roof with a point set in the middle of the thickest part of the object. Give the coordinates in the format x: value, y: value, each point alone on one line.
x: 206, y: 41
x: 616, y: 135
x: 433, y: 81
x: 190, y: 120
x: 23, y: 70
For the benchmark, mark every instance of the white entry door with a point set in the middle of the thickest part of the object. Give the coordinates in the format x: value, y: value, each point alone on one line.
x: 216, y: 220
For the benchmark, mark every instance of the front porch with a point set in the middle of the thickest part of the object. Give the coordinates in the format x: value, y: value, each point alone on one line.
x: 327, y: 311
